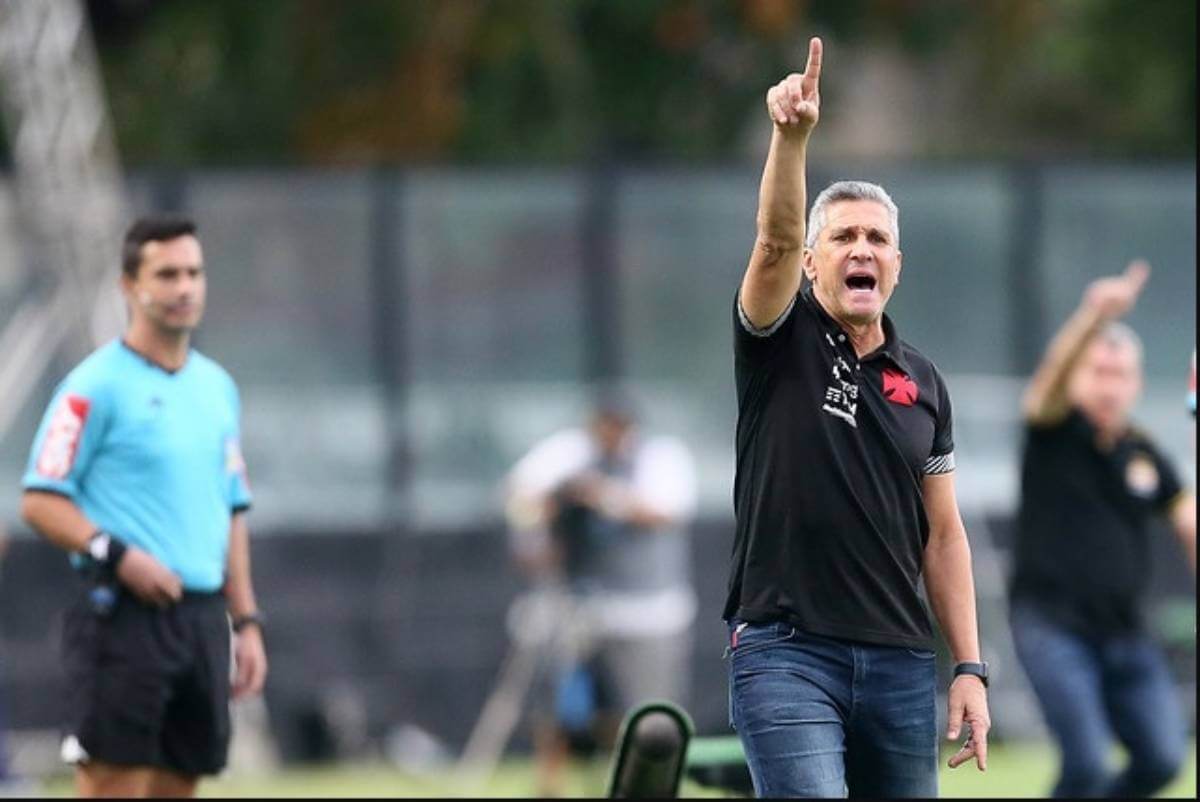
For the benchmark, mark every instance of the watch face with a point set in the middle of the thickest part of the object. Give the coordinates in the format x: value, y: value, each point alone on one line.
x: 98, y: 548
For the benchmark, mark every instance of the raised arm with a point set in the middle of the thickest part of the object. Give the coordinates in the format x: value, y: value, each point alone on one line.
x: 1045, y: 400
x: 773, y: 275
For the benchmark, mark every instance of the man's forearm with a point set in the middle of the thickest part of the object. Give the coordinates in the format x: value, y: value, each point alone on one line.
x: 1104, y: 299
x: 951, y: 591
x: 1047, y: 394
x: 782, y: 193
x: 239, y: 589
x: 773, y: 275
x: 57, y: 518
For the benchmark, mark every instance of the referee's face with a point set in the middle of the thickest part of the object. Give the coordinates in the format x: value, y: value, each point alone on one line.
x: 855, y: 264
x: 169, y: 289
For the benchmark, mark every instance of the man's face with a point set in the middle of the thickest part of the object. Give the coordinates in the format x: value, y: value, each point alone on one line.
x: 855, y: 264
x: 169, y: 288
x: 1106, y: 383
x: 610, y: 432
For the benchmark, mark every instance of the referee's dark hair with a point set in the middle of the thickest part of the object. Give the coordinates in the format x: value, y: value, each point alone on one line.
x: 151, y: 228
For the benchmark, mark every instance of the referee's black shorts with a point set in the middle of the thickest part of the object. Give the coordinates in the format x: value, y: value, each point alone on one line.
x: 150, y: 687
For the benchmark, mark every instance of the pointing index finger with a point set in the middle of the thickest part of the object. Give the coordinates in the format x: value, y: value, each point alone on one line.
x: 812, y: 70
x: 1137, y: 272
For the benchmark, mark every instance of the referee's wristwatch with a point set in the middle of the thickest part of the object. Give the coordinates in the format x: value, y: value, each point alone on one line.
x: 974, y: 669
x: 105, y: 550
x: 255, y: 618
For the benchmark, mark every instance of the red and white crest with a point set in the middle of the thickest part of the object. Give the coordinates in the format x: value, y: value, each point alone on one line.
x: 62, y: 437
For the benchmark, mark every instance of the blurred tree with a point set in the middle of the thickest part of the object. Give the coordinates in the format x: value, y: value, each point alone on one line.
x: 1087, y: 77
x: 326, y: 82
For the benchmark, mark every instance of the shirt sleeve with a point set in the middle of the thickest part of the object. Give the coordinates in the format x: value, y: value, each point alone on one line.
x: 941, y: 455
x: 236, y: 477
x: 68, y: 438
x: 665, y: 479
x: 540, y: 471
x: 1169, y: 485
x: 758, y: 345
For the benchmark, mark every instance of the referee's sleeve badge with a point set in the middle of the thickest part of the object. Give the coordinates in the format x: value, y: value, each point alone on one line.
x: 234, y: 464
x: 63, y: 434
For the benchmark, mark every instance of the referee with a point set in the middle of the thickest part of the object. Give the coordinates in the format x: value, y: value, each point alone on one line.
x: 844, y: 500
x: 136, y: 471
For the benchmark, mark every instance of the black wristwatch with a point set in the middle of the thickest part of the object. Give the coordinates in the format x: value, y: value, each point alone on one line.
x: 244, y: 620
x: 105, y: 550
x: 974, y: 669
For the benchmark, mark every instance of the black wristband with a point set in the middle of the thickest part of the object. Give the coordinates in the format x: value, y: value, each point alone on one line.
x: 105, y: 550
x: 979, y: 670
x: 244, y: 620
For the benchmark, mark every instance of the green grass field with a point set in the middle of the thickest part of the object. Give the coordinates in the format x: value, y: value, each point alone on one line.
x: 1014, y: 770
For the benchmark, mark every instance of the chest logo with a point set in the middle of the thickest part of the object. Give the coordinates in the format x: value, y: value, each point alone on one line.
x: 898, y: 388
x: 841, y: 396
x: 1141, y: 476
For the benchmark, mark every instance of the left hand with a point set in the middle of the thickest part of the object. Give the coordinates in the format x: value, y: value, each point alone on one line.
x: 968, y: 704
x: 249, y: 661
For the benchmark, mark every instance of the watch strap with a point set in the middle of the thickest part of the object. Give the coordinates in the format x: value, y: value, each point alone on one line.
x: 979, y: 670
x: 244, y: 620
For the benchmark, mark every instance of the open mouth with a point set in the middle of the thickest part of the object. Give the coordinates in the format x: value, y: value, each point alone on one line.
x: 861, y: 282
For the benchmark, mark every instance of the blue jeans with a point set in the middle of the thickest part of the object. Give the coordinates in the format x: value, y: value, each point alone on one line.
x: 822, y: 717
x: 1091, y: 689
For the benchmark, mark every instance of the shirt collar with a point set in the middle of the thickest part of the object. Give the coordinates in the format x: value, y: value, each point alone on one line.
x: 892, y: 347
x: 169, y: 371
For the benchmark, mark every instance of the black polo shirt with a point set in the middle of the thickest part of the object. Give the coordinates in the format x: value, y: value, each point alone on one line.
x: 1082, y: 551
x: 831, y: 453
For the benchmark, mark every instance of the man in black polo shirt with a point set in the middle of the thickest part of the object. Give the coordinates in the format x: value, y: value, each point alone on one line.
x: 844, y: 499
x: 1090, y: 483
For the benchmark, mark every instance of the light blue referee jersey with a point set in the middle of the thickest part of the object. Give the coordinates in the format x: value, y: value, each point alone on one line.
x: 152, y: 457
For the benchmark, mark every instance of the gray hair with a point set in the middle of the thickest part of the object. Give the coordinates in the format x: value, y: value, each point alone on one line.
x: 849, y: 191
x: 1119, y: 334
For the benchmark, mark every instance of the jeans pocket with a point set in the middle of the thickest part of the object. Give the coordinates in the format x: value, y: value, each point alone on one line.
x: 922, y: 654
x: 755, y: 637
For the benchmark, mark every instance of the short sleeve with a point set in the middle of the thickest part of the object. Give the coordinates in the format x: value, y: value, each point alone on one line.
x: 758, y: 345
x: 236, y: 477
x: 1169, y: 485
x: 665, y: 478
x: 68, y: 438
x: 540, y: 471
x: 941, y: 455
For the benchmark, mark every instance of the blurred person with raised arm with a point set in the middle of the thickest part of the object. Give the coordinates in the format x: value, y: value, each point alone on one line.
x: 1091, y: 482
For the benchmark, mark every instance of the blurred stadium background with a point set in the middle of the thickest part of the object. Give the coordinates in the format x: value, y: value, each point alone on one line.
x: 430, y: 226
